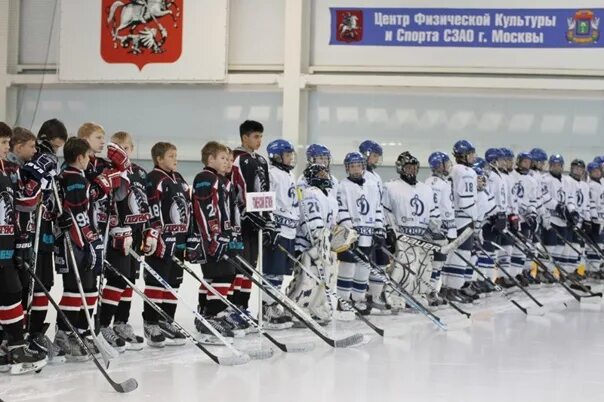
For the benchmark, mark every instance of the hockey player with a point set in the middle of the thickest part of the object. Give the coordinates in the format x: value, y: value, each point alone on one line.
x: 276, y: 264
x: 584, y: 208
x: 129, y: 217
x: 361, y: 210
x: 22, y: 146
x: 372, y: 151
x: 489, y: 222
x: 561, y: 207
x: 440, y: 165
x: 15, y: 355
x: 217, y: 220
x: 51, y: 137
x: 526, y: 191
x: 78, y: 228
x: 169, y: 201
x: 410, y: 209
x: 313, y: 243
x: 464, y: 185
x: 596, y: 197
x: 250, y: 174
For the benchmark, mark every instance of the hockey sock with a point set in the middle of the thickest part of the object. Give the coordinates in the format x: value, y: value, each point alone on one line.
x: 346, y: 272
x: 156, y: 295
x: 359, y: 282
x: 110, y: 299
x: 11, y: 315
x: 169, y: 302
x: 376, y: 286
x: 276, y: 281
x: 39, y: 309
x: 70, y: 304
x: 122, y: 313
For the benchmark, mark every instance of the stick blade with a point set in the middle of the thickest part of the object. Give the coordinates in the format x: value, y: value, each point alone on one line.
x: 300, y: 347
x: 233, y: 360
x: 108, y: 353
x: 127, y: 386
x: 352, y: 340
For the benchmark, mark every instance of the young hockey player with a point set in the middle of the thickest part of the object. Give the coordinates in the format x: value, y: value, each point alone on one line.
x: 217, y: 220
x: 15, y: 354
x: 525, y: 191
x: 87, y: 243
x: 51, y: 137
x: 276, y: 264
x: 464, y: 183
x: 321, y: 155
x: 594, y: 230
x: 582, y: 201
x: 361, y: 210
x: 22, y: 146
x: 376, y: 299
x: 169, y: 202
x: 250, y: 174
x: 129, y: 217
x: 313, y: 243
x: 410, y: 209
x: 488, y: 221
x: 561, y: 207
x: 440, y: 164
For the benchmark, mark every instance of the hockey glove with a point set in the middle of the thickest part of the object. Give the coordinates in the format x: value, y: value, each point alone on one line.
x: 235, y: 247
x: 95, y: 254
x: 41, y: 166
x: 165, y: 246
x: 150, y: 240
x: 64, y: 222
x: 101, y: 187
x: 390, y: 240
x: 23, y: 253
x: 121, y: 239
x: 379, y: 237
x: 218, y: 247
x: 531, y: 222
x: 573, y: 218
x: 194, y: 252
x: 270, y: 234
x: 60, y: 252
x: 587, y: 227
x: 118, y: 157
x: 560, y: 210
x: 499, y: 221
x: 514, y: 222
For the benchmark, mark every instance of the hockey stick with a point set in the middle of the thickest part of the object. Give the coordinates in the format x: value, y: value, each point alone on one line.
x: 506, y: 273
x: 486, y: 278
x: 380, y: 274
x: 290, y: 305
x: 530, y: 254
x: 569, y: 244
x: 430, y: 246
x: 225, y: 361
x: 301, y: 347
x: 331, y: 293
x: 123, y: 387
x: 594, y: 246
x: 237, y: 353
x: 34, y: 264
x: 97, y: 317
x: 429, y: 285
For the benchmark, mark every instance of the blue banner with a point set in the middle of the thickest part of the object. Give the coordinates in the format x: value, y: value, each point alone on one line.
x: 461, y: 27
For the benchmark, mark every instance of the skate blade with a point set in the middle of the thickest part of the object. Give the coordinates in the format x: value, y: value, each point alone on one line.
x: 24, y: 368
x: 57, y: 360
x: 156, y: 345
x: 211, y: 340
x: 378, y: 312
x: 134, y: 346
x: 77, y: 359
x: 175, y: 342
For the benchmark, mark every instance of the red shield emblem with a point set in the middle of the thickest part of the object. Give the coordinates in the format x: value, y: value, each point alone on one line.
x: 141, y: 31
x: 349, y: 25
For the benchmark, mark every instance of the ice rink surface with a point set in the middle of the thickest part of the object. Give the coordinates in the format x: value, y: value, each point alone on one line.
x: 498, y: 355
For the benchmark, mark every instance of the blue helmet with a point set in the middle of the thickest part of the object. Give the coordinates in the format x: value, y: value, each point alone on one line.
x: 276, y: 149
x: 507, y: 152
x: 366, y: 147
x: 352, y: 158
x: 591, y: 166
x: 437, y: 160
x: 556, y: 158
x: 462, y: 148
x: 538, y: 155
x: 480, y: 163
x: 493, y: 155
x: 523, y: 155
x: 479, y: 171
x: 315, y: 150
x: 599, y: 160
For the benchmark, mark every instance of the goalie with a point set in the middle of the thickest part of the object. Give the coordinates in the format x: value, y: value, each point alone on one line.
x: 314, y: 241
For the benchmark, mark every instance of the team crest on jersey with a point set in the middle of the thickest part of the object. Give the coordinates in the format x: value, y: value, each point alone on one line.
x: 519, y: 190
x: 580, y: 198
x: 179, y: 214
x: 7, y: 213
x: 417, y: 205
x: 141, y: 31
x: 560, y: 196
x: 363, y: 205
x: 291, y: 193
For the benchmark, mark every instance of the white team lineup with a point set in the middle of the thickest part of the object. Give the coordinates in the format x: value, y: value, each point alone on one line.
x: 341, y: 263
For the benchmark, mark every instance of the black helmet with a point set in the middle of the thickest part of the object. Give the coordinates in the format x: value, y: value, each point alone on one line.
x: 313, y: 174
x: 407, y: 159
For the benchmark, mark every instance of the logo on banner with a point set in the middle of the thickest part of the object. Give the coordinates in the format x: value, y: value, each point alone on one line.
x: 141, y: 31
x: 583, y: 27
x: 350, y: 25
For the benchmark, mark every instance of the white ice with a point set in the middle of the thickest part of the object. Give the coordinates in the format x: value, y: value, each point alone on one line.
x: 498, y: 355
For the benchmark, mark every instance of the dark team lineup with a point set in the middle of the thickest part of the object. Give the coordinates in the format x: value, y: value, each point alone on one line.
x: 354, y: 248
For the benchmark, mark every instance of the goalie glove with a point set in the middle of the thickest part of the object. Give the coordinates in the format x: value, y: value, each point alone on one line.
x: 121, y: 239
x: 150, y: 240
x: 343, y: 239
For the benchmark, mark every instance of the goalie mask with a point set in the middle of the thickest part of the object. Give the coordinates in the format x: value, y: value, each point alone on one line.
x: 355, y: 164
x: 407, y: 167
x: 317, y: 176
x: 281, y: 154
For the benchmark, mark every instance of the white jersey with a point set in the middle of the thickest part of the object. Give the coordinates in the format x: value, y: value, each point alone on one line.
x: 497, y: 186
x: 374, y: 183
x: 512, y: 200
x: 596, y: 197
x: 525, y: 190
x: 463, y: 179
x: 331, y: 192
x: 287, y: 212
x: 360, y: 209
x: 487, y: 206
x: 561, y: 194
x: 315, y: 214
x: 582, y: 199
x: 410, y: 208
x: 443, y: 200
x: 542, y: 195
